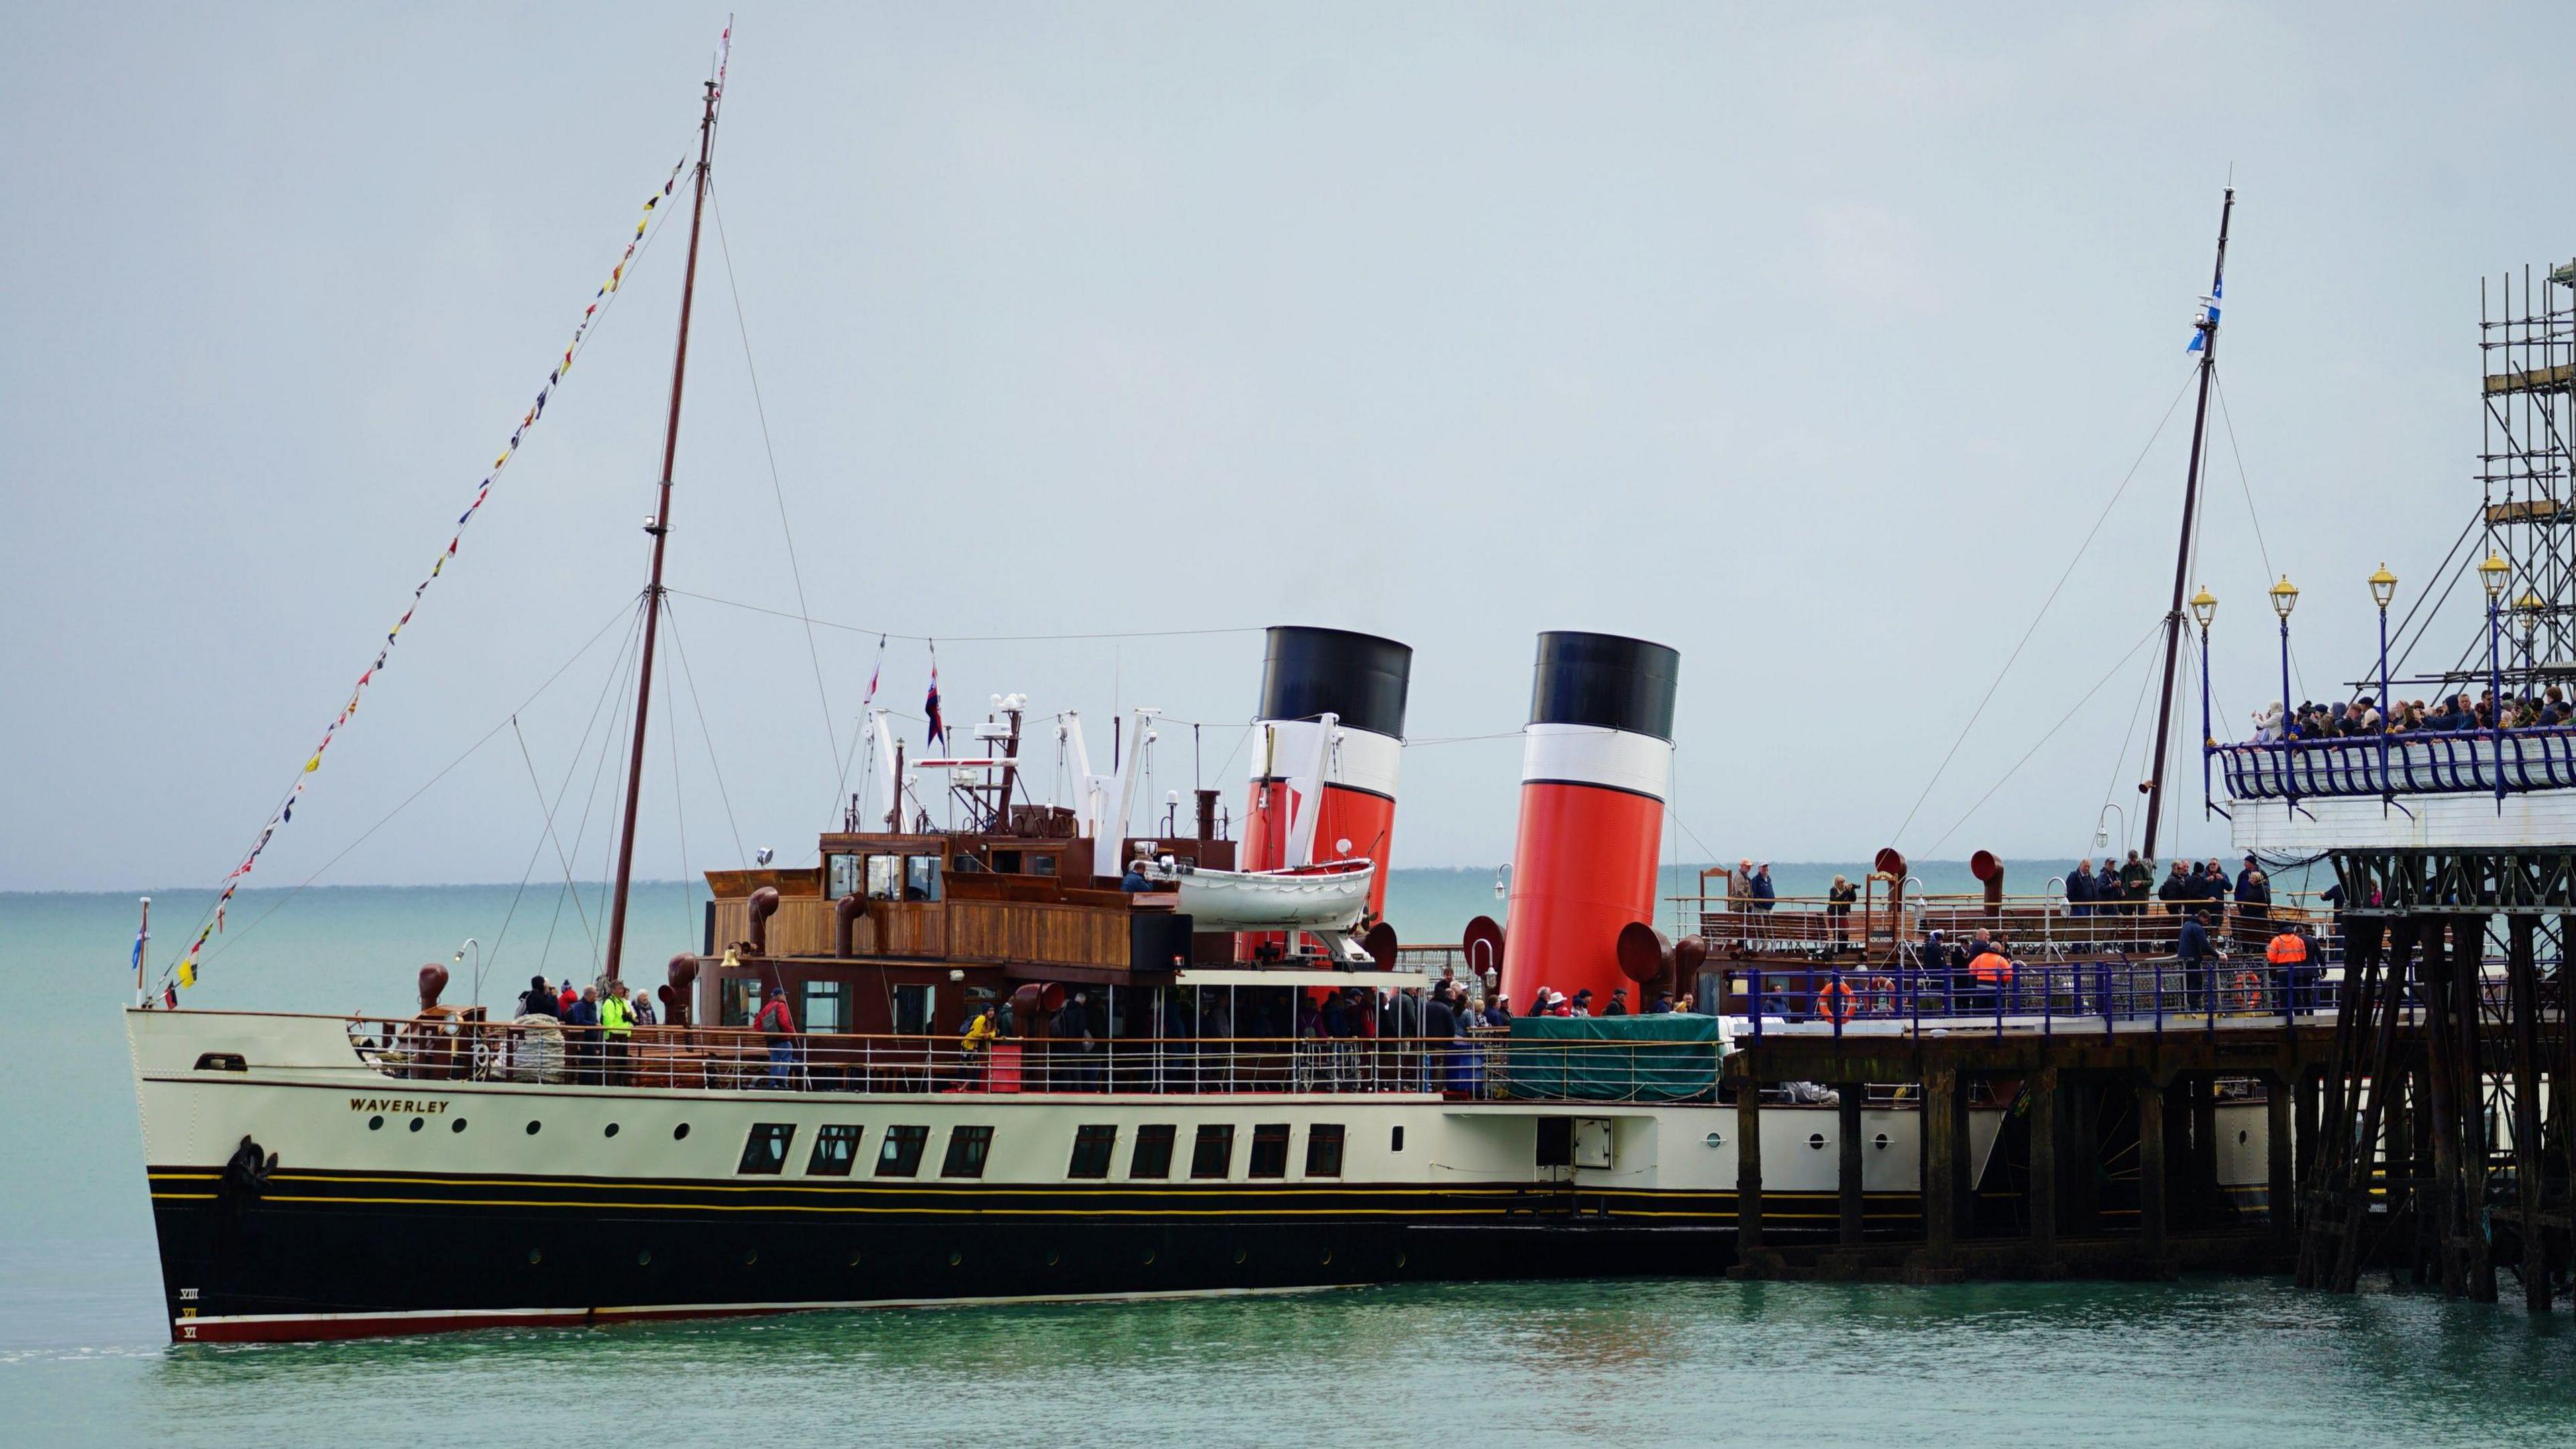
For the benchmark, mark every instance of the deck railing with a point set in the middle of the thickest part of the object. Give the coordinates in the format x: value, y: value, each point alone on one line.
x: 2417, y: 763
x: 2161, y: 993
x: 1481, y: 1063
x: 2046, y: 926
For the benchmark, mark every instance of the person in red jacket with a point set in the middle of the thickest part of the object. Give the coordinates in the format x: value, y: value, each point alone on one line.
x: 779, y: 1025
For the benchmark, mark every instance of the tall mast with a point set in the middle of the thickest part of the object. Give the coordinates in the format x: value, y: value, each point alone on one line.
x: 2208, y: 327
x: 660, y: 528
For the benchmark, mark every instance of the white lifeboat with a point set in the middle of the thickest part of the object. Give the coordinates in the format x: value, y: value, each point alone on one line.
x: 1330, y: 896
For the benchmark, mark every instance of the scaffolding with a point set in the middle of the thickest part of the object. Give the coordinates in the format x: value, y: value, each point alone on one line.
x: 2527, y: 468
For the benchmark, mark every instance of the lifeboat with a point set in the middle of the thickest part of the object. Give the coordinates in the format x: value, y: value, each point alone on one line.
x: 1330, y: 896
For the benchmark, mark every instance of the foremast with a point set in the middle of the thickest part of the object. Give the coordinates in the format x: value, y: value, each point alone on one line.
x: 660, y: 527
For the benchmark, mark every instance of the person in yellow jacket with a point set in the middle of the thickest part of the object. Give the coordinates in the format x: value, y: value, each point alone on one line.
x: 616, y: 1028
x: 973, y: 1050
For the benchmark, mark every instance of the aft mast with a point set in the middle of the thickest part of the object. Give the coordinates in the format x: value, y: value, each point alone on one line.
x: 2206, y: 343
x: 660, y: 528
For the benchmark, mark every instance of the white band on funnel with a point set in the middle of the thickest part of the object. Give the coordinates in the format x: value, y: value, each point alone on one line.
x: 1365, y: 759
x: 1592, y: 755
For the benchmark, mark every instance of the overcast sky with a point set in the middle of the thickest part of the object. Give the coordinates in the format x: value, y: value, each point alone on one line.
x: 1809, y: 340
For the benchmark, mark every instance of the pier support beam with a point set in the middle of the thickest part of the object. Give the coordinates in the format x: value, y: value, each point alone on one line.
x: 2280, y: 1156
x: 1748, y: 1170
x: 2151, y: 1170
x: 2044, y: 1128
x: 2530, y: 1176
x: 1942, y: 1151
x: 1853, y: 1196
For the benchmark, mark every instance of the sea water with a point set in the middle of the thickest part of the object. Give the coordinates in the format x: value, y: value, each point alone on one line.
x: 84, y: 1357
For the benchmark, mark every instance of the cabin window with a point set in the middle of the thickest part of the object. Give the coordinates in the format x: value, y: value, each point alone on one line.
x: 765, y: 1151
x: 885, y: 877
x: 1153, y: 1154
x: 916, y: 1006
x: 921, y: 877
x: 900, y: 1154
x: 1212, y: 1156
x: 966, y: 865
x: 1269, y: 1151
x: 1092, y: 1147
x: 1395, y: 1141
x: 1324, y: 1150
x: 827, y: 1007
x: 844, y: 874
x: 736, y: 1001
x: 1005, y: 862
x: 967, y: 1149
x: 836, y: 1147
x: 1041, y: 865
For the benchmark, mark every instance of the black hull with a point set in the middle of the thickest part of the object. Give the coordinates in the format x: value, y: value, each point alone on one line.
x: 312, y: 1256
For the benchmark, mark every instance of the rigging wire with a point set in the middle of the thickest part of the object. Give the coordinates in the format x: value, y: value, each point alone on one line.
x: 549, y: 814
x: 2120, y: 761
x: 2042, y: 614
x: 965, y: 638
x: 2079, y: 704
x: 679, y: 797
x: 616, y: 688
x: 778, y: 491
x: 713, y: 767
x: 231, y: 941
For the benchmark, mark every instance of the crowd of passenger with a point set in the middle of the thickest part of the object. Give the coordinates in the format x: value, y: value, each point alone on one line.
x: 2125, y: 887
x: 2451, y: 713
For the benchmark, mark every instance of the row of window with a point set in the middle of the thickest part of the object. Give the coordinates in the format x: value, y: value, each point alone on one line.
x: 1095, y: 1147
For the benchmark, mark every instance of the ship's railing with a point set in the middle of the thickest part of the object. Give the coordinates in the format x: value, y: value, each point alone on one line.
x: 2221, y: 992
x: 1479, y: 1063
x: 2417, y: 763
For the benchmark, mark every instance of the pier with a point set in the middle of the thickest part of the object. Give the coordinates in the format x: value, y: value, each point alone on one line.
x: 2417, y: 1095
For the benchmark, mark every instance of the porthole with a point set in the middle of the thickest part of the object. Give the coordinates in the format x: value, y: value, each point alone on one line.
x: 611, y: 1131
x: 456, y: 1126
x: 854, y: 1258
x: 1816, y: 1141
x: 1880, y: 1142
x: 536, y: 1256
x: 1327, y: 1257
x: 750, y: 1256
x: 1239, y: 1256
x: 644, y: 1259
x: 2242, y: 1139
x: 418, y: 1123
x: 1149, y: 1255
x: 1715, y: 1141
x: 680, y: 1133
x: 956, y: 1258
x: 375, y: 1123
x: 1051, y: 1257
x: 535, y: 1127
x: 1399, y: 1258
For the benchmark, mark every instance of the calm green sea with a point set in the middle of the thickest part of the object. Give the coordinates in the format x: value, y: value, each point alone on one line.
x: 83, y: 1358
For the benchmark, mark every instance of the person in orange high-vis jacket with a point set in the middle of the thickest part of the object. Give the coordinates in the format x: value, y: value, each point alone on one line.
x: 1993, y: 972
x: 2288, y: 955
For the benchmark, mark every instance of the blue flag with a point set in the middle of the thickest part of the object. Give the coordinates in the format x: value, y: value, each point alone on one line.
x: 2207, y: 322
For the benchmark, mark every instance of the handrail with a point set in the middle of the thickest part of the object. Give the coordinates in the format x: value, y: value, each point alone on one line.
x: 2417, y: 762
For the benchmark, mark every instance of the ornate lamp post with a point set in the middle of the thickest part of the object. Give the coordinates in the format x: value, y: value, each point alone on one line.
x: 2285, y: 597
x: 2383, y: 592
x: 2204, y: 607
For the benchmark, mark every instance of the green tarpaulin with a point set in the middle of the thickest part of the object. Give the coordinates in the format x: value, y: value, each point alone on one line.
x: 1667, y: 1058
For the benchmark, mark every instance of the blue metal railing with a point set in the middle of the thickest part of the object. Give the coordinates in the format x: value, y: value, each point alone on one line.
x: 2418, y: 763
x: 2049, y: 999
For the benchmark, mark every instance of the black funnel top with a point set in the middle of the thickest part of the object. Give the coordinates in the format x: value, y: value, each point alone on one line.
x: 1306, y: 672
x: 1606, y: 680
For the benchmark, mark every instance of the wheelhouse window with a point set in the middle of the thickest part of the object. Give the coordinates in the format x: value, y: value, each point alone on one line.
x: 1152, y: 1156
x: 827, y: 1006
x: 967, y: 1149
x: 845, y: 875
x: 916, y: 1006
x: 921, y: 877
x: 885, y: 877
x: 1324, y: 1150
x: 1093, y: 1145
x: 836, y: 1147
x: 765, y: 1150
x: 736, y: 1002
x: 1269, y: 1150
x: 1212, y: 1156
x: 900, y: 1154
x: 1041, y: 865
